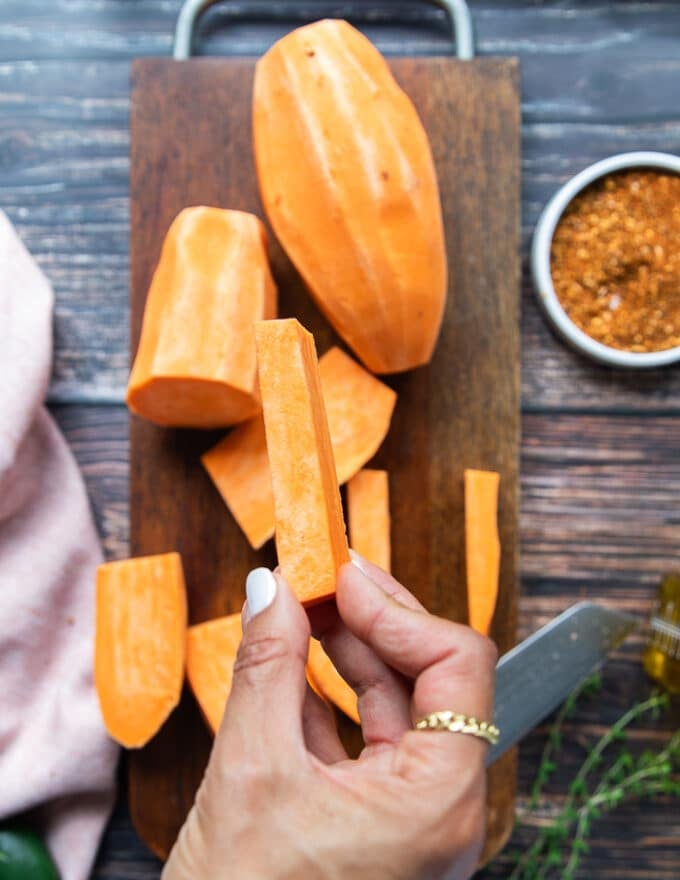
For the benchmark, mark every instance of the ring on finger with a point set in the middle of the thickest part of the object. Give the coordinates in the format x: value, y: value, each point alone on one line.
x: 456, y: 722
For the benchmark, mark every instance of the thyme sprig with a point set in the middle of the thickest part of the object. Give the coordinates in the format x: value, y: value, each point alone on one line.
x: 547, y: 766
x: 650, y: 775
x: 558, y: 848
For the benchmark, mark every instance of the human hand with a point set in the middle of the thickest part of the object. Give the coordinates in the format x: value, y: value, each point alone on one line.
x: 280, y: 798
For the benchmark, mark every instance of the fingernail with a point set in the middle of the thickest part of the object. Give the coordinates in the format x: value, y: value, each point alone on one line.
x: 359, y: 561
x: 260, y: 590
x: 245, y: 615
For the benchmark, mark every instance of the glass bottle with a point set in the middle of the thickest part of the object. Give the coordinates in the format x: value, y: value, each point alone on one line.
x: 661, y: 659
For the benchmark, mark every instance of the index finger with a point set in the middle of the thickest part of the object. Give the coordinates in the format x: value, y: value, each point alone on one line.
x: 325, y: 617
x: 452, y: 666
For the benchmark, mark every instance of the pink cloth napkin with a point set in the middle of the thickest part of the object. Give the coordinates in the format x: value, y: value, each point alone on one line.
x: 55, y: 756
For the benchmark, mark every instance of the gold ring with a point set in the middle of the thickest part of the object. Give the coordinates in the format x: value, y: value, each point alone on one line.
x: 458, y: 723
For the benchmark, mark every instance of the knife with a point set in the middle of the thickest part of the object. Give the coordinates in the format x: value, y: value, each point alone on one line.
x: 536, y: 676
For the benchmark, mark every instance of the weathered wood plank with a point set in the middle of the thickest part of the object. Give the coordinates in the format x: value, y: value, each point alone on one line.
x: 583, y: 44
x: 600, y: 495
x: 638, y: 839
x: 122, y: 855
x: 628, y: 469
x: 63, y: 181
x: 594, y: 65
x: 654, y: 826
x: 481, y: 212
x: 98, y: 437
x: 599, y: 510
x: 617, y: 472
x: 641, y: 837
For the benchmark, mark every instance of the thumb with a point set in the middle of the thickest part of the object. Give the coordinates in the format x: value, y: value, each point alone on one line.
x: 262, y: 723
x: 263, y: 716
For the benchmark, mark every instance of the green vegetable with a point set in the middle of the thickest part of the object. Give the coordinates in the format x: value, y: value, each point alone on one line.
x: 558, y: 847
x: 23, y: 856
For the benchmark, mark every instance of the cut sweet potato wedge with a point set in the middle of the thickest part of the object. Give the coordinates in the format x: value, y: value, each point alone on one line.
x: 140, y: 644
x: 195, y: 365
x: 482, y: 546
x: 211, y: 654
x: 312, y: 684
x: 239, y: 468
x: 327, y: 681
x: 359, y: 408
x: 368, y: 516
x: 310, y: 530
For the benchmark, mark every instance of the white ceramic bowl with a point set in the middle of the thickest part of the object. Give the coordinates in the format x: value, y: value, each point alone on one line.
x: 540, y: 263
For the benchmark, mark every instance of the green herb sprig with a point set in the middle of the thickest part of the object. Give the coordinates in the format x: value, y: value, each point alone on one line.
x: 558, y: 847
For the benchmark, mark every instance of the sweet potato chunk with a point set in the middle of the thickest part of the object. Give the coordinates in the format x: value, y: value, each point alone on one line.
x: 368, y: 514
x: 310, y: 530
x: 140, y: 644
x: 195, y: 365
x: 482, y: 546
x: 359, y: 408
x: 211, y: 654
x: 327, y: 681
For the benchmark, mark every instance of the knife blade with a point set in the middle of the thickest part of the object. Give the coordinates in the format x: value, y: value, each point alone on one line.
x: 539, y: 674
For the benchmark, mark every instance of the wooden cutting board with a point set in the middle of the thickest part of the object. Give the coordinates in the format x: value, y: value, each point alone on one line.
x: 191, y: 144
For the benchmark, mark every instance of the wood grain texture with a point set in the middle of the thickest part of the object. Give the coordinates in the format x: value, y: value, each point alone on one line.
x: 63, y: 181
x: 638, y: 841
x: 581, y: 42
x: 191, y: 144
x: 596, y: 477
x: 597, y: 78
x: 598, y: 510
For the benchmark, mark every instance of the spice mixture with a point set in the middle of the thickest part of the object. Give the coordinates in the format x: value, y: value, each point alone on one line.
x: 615, y: 260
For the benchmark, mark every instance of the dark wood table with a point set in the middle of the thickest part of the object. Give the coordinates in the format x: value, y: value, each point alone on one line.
x: 600, y: 515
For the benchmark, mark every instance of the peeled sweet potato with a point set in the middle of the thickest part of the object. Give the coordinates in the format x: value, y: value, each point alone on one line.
x: 211, y: 655
x: 358, y: 407
x: 239, y: 467
x: 482, y: 546
x: 360, y: 216
x: 195, y: 365
x: 327, y: 681
x: 368, y: 515
x: 139, y: 644
x: 212, y: 648
x: 310, y: 530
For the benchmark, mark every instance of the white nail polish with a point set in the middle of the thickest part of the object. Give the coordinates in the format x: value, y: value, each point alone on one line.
x: 260, y: 590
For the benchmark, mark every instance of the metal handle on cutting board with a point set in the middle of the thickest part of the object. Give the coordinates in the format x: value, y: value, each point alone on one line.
x: 191, y: 11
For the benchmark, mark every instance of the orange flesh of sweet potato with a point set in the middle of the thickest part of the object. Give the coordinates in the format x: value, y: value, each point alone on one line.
x: 212, y: 648
x: 239, y: 467
x: 139, y: 644
x: 195, y: 365
x: 310, y: 530
x: 312, y: 683
x: 482, y: 546
x: 359, y: 408
x: 211, y: 654
x: 368, y: 515
x: 327, y: 681
x: 360, y: 217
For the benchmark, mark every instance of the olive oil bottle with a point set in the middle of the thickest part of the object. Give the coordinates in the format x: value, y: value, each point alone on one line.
x: 662, y: 655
